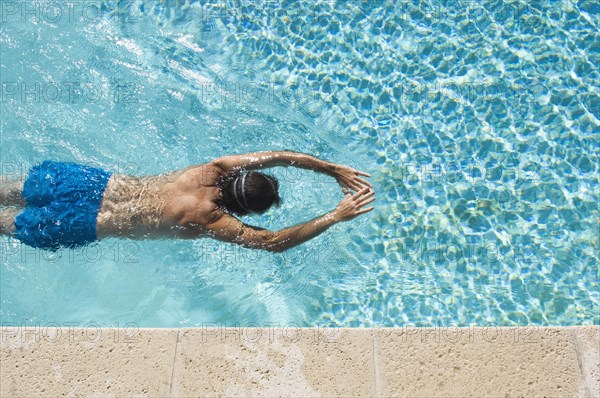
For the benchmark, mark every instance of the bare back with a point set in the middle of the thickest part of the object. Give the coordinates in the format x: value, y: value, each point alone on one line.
x: 160, y: 205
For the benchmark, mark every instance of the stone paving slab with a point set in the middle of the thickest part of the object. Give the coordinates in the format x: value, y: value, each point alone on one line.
x: 307, y: 362
x: 587, y: 344
x: 66, y: 362
x: 477, y: 362
x: 274, y: 362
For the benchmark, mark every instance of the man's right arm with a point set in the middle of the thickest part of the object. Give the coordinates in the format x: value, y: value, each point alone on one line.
x: 230, y: 229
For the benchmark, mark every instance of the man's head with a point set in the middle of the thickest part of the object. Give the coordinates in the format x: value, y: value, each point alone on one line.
x: 251, y: 192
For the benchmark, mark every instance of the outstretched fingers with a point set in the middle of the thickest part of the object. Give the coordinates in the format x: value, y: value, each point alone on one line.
x: 363, y: 182
x: 354, y: 185
x: 352, y: 205
x: 366, y: 210
x: 364, y: 197
x: 362, y: 173
x: 364, y: 193
x: 365, y: 202
x: 361, y: 192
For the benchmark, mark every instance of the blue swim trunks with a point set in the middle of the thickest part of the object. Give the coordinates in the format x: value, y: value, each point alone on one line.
x: 63, y: 200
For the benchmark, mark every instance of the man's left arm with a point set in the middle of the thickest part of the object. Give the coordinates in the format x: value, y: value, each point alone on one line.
x: 261, y: 160
x: 347, y: 177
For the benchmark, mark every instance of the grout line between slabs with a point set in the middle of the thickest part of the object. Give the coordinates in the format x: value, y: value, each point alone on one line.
x: 173, y: 364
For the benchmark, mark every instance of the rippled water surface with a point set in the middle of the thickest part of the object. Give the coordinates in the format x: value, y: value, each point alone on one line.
x: 477, y: 121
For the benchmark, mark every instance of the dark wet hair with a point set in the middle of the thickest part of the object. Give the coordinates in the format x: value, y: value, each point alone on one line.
x: 252, y: 192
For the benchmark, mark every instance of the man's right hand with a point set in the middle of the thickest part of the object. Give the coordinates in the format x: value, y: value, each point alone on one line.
x: 352, y: 205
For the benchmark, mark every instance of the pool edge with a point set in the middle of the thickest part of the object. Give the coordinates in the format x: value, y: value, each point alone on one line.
x: 213, y: 361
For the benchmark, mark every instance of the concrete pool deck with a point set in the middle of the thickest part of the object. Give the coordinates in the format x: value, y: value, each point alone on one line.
x: 307, y: 362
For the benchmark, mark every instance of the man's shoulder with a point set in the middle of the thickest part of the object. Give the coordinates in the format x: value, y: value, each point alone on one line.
x: 207, y: 168
x: 203, y: 174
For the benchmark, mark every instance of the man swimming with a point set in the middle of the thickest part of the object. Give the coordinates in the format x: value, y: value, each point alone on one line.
x: 64, y: 204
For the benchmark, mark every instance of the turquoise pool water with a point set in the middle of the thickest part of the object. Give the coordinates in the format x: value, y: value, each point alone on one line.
x: 477, y: 121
